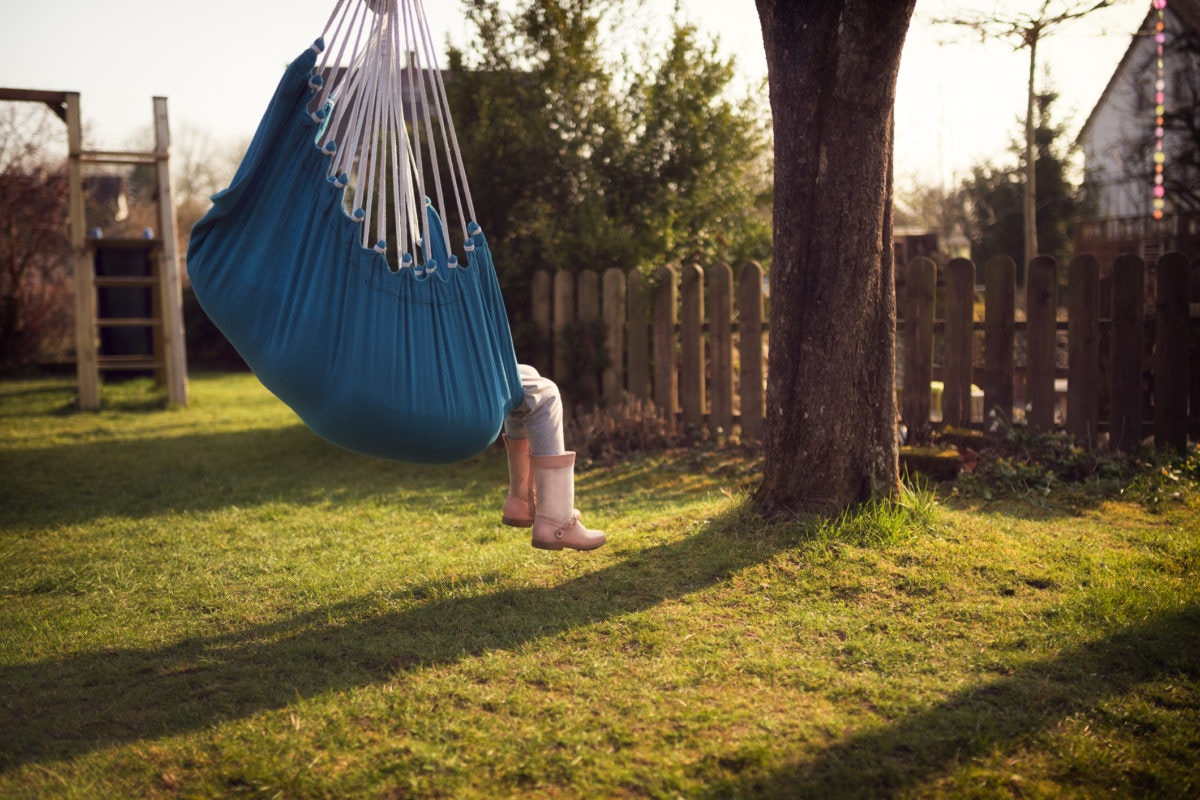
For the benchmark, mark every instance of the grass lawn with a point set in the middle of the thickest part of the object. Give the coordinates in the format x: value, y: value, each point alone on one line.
x: 212, y: 602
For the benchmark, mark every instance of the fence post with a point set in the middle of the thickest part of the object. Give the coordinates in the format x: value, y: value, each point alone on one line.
x: 1170, y: 353
x: 1041, y: 308
x: 920, y: 282
x: 1104, y: 391
x: 691, y: 348
x: 999, y: 335
x: 959, y: 338
x: 637, y: 337
x: 750, y: 349
x: 720, y: 342
x: 1083, y: 350
x: 1194, y: 349
x: 542, y: 289
x: 564, y: 309
x: 1125, y: 425
x: 666, y: 386
x: 612, y: 306
x: 587, y: 303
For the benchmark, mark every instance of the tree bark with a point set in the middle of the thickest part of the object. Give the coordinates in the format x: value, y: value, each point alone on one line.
x: 1029, y: 208
x: 830, y: 428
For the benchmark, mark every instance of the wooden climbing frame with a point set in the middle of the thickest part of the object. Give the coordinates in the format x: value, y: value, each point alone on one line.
x: 168, y: 357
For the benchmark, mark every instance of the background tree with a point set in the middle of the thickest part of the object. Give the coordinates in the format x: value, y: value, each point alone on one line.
x: 533, y: 104
x: 1026, y: 31
x: 996, y: 196
x: 35, y: 279
x: 201, y: 166
x: 698, y: 170
x: 940, y: 209
x: 578, y: 161
x: 830, y: 428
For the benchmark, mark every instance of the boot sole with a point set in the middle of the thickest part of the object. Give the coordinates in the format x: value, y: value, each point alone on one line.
x: 517, y: 523
x: 559, y: 546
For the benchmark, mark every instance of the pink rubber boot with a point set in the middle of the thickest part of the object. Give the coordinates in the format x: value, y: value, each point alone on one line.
x: 520, y: 505
x: 556, y: 522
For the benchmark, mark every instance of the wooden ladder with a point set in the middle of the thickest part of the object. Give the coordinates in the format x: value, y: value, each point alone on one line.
x: 164, y: 322
x: 128, y: 286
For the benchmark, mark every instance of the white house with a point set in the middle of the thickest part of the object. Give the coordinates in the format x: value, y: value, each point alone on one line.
x: 1118, y: 137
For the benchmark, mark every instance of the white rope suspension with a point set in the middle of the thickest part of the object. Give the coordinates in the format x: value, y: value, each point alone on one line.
x: 389, y: 132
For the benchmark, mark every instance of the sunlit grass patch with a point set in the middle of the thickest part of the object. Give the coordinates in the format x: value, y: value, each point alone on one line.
x: 212, y: 601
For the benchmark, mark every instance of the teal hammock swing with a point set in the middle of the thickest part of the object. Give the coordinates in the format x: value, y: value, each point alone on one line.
x: 328, y: 267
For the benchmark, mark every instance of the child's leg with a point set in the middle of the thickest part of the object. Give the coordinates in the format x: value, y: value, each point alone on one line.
x: 556, y: 522
x: 540, y: 417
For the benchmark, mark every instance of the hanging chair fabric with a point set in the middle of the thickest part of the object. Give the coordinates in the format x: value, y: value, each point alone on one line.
x: 411, y: 361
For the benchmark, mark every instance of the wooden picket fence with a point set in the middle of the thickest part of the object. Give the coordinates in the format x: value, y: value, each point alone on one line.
x: 673, y: 339
x: 693, y: 342
x: 1102, y: 364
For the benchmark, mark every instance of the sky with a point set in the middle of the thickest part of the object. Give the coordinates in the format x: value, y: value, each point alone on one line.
x: 960, y: 101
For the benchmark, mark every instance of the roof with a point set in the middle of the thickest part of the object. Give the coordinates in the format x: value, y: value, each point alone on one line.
x: 1188, y: 14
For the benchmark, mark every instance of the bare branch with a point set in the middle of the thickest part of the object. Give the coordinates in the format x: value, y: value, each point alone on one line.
x: 1024, y: 29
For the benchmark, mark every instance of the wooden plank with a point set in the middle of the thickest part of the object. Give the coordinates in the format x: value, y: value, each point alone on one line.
x: 587, y: 303
x: 999, y: 337
x: 1104, y: 398
x: 124, y: 281
x: 35, y: 95
x: 117, y: 157
x: 564, y: 311
x: 541, y: 355
x: 665, y: 304
x: 1125, y: 393
x: 1041, y: 307
x: 720, y: 342
x: 1170, y: 353
x: 959, y: 338
x: 613, y: 306
x: 170, y: 297
x: 128, y: 363
x: 1194, y: 351
x: 57, y: 102
x: 1083, y: 350
x: 86, y: 368
x: 751, y: 346
x: 691, y: 347
x: 637, y: 336
x: 128, y: 322
x: 125, y: 243
x: 920, y: 282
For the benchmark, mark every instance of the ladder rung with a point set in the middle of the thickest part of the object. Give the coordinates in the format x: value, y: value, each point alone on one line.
x: 128, y: 322
x: 114, y: 157
x: 128, y: 362
x: 111, y: 281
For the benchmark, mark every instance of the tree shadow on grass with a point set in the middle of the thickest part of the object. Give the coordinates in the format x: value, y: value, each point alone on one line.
x: 65, y: 707
x: 903, y: 756
x: 75, y: 483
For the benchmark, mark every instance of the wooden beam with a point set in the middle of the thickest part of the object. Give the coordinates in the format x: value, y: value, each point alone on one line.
x: 115, y: 157
x: 55, y: 101
x: 35, y: 96
x: 86, y: 367
x: 171, y: 297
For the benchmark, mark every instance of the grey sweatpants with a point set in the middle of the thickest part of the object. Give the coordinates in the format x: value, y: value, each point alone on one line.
x: 540, y: 417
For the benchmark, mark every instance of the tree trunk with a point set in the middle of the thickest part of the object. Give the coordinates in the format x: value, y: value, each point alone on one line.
x: 1030, y: 198
x: 830, y: 428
